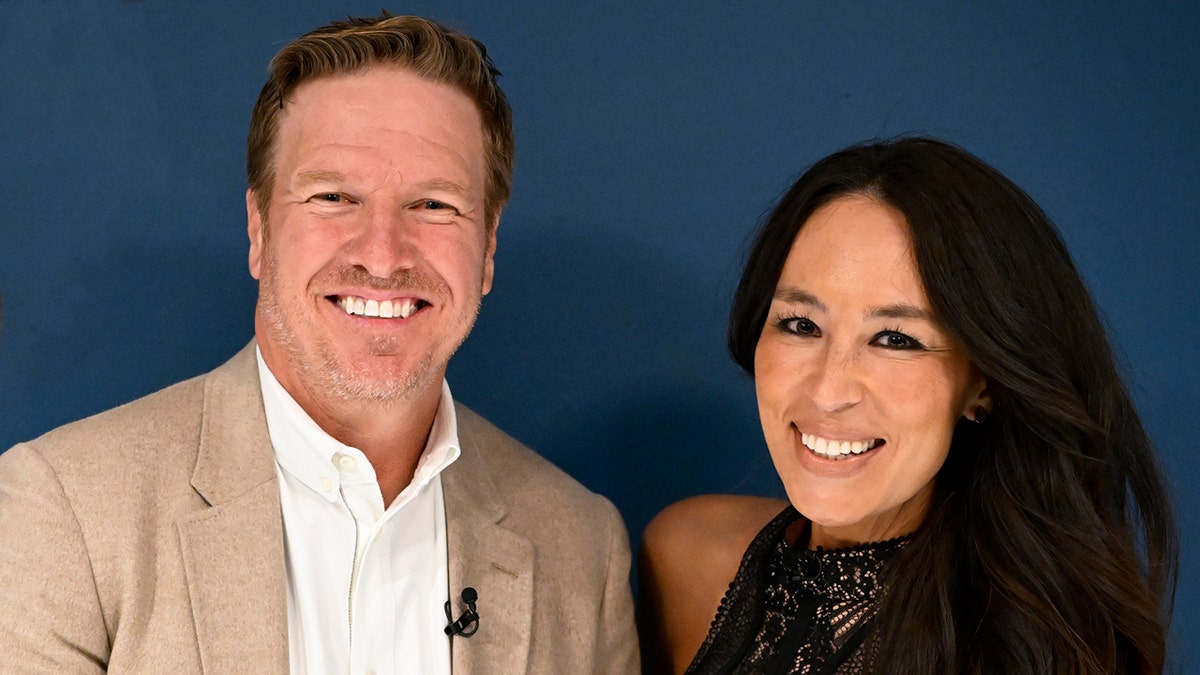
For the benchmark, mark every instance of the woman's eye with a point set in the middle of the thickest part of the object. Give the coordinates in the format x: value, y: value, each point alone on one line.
x: 800, y: 326
x: 894, y: 340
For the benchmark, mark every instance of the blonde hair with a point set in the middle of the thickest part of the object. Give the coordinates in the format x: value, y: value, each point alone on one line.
x: 421, y: 45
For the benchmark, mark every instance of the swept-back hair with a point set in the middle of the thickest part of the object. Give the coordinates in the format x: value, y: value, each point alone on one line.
x: 1051, y: 545
x: 421, y: 45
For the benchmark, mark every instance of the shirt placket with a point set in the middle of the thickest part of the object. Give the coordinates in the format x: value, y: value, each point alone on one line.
x: 369, y: 574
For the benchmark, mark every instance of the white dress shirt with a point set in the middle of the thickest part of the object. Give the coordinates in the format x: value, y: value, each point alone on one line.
x: 366, y: 586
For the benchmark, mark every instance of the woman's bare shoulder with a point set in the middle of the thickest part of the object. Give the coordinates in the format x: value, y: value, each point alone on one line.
x: 690, y: 552
x: 709, y: 526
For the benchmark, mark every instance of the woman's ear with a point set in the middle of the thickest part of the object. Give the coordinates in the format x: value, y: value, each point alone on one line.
x: 979, y: 400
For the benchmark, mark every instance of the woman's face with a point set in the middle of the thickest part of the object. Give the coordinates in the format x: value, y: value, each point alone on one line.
x: 859, y: 387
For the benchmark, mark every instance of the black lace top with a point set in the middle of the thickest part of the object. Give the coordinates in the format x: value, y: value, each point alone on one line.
x: 794, y: 611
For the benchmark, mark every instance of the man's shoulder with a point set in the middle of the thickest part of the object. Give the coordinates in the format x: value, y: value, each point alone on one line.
x: 526, y: 479
x: 174, y: 411
x: 149, y: 429
x: 124, y: 466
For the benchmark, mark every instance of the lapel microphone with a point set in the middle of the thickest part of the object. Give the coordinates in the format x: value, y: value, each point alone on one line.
x: 469, y: 617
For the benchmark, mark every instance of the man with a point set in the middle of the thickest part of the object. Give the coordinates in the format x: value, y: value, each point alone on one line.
x: 319, y: 503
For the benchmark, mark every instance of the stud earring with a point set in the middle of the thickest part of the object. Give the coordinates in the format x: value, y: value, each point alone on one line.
x: 981, y: 415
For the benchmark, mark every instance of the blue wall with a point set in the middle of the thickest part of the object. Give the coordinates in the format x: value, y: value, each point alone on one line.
x: 651, y: 139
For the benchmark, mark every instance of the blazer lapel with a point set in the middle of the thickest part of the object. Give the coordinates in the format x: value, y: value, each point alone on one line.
x: 233, y: 552
x: 488, y: 557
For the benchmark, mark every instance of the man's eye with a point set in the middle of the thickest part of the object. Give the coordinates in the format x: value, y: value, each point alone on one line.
x: 435, y: 205
x: 330, y: 197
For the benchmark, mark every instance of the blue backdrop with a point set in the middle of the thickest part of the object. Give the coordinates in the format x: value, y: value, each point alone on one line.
x: 651, y: 139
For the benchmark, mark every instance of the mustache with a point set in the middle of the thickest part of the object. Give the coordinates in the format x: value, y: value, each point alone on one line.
x: 400, y: 281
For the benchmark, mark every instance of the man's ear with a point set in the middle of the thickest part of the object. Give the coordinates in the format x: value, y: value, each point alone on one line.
x: 254, y: 228
x: 489, y: 256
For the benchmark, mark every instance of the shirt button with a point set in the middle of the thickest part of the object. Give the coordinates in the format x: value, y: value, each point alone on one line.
x: 326, y: 485
x: 346, y: 463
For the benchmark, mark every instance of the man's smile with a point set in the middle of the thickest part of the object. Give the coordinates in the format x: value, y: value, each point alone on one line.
x: 399, y: 308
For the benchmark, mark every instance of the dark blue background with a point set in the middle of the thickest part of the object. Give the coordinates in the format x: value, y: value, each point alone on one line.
x: 651, y: 139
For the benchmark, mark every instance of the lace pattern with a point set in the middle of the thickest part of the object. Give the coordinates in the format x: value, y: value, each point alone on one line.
x: 791, y: 610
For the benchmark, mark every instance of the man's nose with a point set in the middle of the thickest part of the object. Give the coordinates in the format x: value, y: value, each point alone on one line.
x: 384, y: 243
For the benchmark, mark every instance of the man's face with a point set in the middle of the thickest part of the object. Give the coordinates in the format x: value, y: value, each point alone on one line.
x: 374, y: 254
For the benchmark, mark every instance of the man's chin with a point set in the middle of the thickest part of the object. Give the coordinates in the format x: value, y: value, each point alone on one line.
x: 372, y: 383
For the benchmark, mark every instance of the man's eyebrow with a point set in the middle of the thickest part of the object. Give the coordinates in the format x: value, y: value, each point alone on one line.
x: 319, y: 176
x: 444, y: 185
x: 324, y: 176
x: 796, y: 296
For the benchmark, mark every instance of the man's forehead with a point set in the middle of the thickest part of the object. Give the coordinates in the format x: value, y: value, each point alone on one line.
x: 390, y: 94
x: 379, y: 83
x: 380, y: 109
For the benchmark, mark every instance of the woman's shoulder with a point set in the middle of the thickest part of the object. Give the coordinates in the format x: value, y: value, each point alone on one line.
x: 690, y: 553
x: 697, y: 544
x: 711, y: 525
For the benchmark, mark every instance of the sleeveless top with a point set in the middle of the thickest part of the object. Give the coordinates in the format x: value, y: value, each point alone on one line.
x: 795, y: 611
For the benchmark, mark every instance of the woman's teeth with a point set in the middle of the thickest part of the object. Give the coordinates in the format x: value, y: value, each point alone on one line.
x: 836, y: 449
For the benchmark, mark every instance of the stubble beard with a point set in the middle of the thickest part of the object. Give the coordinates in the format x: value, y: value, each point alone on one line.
x: 321, y: 371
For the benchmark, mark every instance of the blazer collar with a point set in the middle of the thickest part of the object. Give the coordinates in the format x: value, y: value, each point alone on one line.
x: 233, y: 552
x: 487, y: 556
x: 235, y: 455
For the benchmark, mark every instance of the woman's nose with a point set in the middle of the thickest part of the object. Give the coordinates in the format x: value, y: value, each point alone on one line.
x: 835, y: 382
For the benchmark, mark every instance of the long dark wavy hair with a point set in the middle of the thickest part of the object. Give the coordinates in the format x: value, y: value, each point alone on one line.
x: 1050, y: 545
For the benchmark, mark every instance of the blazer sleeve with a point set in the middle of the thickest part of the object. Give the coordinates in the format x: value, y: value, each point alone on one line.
x: 617, y: 644
x: 50, y: 615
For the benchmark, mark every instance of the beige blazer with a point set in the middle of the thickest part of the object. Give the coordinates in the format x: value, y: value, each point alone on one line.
x: 148, y: 539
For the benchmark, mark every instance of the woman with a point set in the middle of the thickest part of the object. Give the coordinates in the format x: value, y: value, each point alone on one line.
x: 970, y: 488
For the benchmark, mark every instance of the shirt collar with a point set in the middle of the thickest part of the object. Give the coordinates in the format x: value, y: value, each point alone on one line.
x: 304, y: 450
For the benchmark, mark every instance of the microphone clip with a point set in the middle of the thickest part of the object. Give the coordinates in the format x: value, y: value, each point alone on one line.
x: 468, y: 622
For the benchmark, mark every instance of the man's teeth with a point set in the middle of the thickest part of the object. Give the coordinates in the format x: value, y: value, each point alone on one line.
x: 836, y: 449
x: 384, y: 309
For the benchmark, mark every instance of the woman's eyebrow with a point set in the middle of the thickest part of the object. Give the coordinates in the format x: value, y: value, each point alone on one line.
x: 797, y: 296
x: 900, y: 311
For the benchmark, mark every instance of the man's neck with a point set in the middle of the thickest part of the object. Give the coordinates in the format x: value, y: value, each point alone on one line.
x: 391, y: 434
